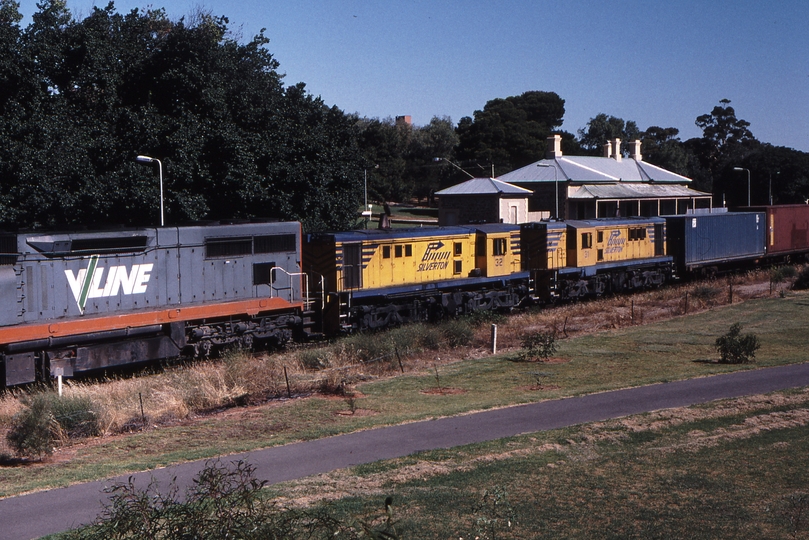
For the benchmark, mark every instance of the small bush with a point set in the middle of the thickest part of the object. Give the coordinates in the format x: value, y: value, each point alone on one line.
x: 782, y: 273
x: 224, y: 501
x: 735, y: 348
x: 802, y: 281
x: 314, y: 359
x: 458, y: 333
x: 49, y: 419
x: 706, y: 293
x: 537, y: 346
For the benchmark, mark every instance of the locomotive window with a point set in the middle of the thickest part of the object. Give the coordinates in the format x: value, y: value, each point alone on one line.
x: 117, y: 244
x: 409, y: 250
x: 263, y: 274
x: 586, y: 240
x: 458, y: 248
x: 228, y: 247
x: 274, y: 243
x: 8, y: 249
x: 458, y: 268
x: 397, y: 251
x: 386, y: 252
x: 600, y: 237
x: 498, y: 247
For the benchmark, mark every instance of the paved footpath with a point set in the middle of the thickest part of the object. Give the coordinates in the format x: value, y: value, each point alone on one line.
x: 38, y: 514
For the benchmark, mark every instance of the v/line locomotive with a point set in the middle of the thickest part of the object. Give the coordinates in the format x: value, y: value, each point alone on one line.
x: 84, y: 301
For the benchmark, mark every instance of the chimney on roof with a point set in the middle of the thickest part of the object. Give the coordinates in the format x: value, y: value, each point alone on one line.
x: 616, y: 149
x: 635, y: 146
x: 406, y: 120
x: 608, y: 149
x: 553, y: 148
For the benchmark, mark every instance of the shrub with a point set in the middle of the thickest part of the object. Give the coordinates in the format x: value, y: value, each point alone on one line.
x: 802, y: 281
x: 735, y: 348
x: 458, y: 333
x: 224, y: 501
x: 537, y: 346
x: 49, y: 419
x: 706, y: 293
x: 314, y: 359
x: 782, y: 273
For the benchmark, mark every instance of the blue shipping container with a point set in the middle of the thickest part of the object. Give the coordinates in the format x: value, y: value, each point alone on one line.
x: 699, y: 240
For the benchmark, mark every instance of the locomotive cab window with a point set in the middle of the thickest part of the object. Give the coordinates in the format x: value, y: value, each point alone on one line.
x: 458, y: 249
x: 397, y: 251
x: 586, y: 240
x: 600, y: 238
x: 263, y: 274
x: 499, y: 247
x: 458, y: 267
x: 386, y: 252
x: 408, y: 250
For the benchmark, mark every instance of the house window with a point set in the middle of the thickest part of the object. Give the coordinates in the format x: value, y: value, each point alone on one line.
x: 498, y: 247
x: 386, y: 252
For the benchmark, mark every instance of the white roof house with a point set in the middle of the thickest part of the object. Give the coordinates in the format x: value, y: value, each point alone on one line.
x: 584, y: 187
x: 482, y: 200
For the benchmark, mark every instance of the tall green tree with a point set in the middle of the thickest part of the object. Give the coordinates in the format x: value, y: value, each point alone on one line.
x: 603, y: 128
x: 511, y: 132
x: 662, y: 147
x: 726, y: 141
x: 234, y: 142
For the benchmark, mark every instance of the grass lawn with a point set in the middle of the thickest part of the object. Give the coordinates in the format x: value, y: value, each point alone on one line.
x: 633, y: 356
x: 731, y: 469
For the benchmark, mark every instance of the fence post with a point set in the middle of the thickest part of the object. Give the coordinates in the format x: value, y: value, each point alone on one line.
x: 494, y: 339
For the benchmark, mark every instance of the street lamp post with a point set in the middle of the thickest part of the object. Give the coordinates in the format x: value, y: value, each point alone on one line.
x: 555, y: 184
x: 147, y: 159
x: 366, y: 211
x: 748, y: 181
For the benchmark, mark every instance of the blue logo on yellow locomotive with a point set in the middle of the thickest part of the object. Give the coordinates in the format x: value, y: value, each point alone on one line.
x: 434, y: 258
x: 615, y: 243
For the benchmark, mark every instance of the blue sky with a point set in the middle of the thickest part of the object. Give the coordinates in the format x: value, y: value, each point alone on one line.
x: 657, y: 62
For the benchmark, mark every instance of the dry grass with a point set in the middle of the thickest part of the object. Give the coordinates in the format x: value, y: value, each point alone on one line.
x: 609, y: 313
x: 135, y: 403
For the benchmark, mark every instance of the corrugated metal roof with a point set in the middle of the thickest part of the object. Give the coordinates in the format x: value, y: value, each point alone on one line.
x: 484, y: 186
x: 592, y: 169
x: 633, y: 191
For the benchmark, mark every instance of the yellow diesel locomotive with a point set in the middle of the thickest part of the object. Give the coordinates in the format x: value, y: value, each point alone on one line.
x: 582, y: 258
x: 375, y: 278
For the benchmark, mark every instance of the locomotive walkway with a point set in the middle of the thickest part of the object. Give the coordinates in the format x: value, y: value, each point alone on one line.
x: 31, y: 516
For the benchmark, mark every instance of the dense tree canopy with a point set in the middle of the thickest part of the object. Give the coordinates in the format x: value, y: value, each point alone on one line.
x: 511, y: 132
x: 603, y: 128
x: 80, y: 99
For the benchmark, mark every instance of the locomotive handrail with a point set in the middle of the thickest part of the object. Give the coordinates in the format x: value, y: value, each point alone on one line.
x: 305, y: 293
